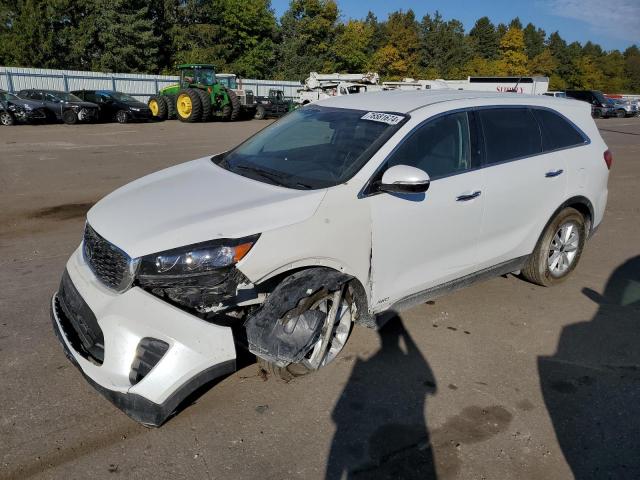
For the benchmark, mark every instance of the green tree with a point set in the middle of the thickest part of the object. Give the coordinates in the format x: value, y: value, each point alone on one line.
x: 307, y: 34
x: 515, y: 23
x: 533, y: 40
x: 126, y: 38
x: 543, y: 64
x: 632, y: 68
x: 402, y: 33
x: 351, y: 47
x: 612, y: 67
x: 484, y: 39
x: 444, y: 45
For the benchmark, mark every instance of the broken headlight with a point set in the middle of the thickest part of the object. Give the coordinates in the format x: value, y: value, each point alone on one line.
x: 196, y: 259
x: 197, y: 276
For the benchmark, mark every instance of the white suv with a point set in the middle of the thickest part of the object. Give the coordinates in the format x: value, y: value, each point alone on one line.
x: 336, y: 213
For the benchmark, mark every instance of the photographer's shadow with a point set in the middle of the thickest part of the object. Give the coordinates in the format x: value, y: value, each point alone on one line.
x: 380, y: 417
x: 591, y: 385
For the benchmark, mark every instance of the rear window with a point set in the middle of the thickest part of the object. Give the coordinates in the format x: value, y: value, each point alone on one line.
x: 509, y: 133
x: 556, y: 131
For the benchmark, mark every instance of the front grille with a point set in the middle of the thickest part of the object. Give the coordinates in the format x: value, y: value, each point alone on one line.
x: 110, y: 264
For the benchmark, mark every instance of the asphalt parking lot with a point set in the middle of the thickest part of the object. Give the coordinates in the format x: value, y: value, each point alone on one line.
x: 501, y: 380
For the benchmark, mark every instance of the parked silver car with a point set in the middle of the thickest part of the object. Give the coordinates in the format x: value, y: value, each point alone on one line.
x: 624, y: 108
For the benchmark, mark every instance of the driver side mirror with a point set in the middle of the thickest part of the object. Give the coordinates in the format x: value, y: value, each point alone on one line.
x: 404, y: 179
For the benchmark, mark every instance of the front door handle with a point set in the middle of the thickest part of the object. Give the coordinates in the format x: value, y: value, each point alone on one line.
x: 554, y: 173
x: 467, y: 197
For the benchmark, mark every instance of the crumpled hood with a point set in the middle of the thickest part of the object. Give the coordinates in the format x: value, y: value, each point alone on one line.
x: 195, y: 202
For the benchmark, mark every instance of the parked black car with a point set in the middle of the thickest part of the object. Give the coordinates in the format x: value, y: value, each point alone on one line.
x: 116, y: 106
x: 14, y: 109
x: 274, y: 105
x: 62, y: 105
x: 600, y: 106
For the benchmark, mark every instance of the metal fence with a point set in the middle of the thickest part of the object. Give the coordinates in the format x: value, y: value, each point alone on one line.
x: 138, y: 85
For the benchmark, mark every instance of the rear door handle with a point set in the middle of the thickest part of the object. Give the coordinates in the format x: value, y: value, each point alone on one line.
x: 554, y: 173
x: 467, y: 197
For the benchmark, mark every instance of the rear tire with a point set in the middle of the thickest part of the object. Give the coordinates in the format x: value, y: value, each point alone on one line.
x: 189, y: 106
x: 7, y: 119
x: 158, y: 106
x: 70, y: 117
x: 205, y: 99
x: 172, y: 112
x: 559, y: 249
x: 621, y: 113
x: 261, y: 113
x: 231, y: 111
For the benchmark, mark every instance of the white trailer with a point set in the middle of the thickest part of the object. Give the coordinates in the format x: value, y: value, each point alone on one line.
x: 528, y: 85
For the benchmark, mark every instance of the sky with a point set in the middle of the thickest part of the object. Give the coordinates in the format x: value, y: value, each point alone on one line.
x: 613, y: 24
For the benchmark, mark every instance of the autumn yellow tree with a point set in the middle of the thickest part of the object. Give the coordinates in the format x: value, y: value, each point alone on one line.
x: 513, y: 59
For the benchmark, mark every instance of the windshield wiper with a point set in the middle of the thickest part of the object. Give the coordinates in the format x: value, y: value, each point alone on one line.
x: 273, y: 176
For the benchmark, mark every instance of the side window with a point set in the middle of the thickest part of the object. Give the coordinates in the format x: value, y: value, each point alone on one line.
x: 51, y: 98
x: 35, y: 96
x: 556, y: 131
x: 509, y: 133
x: 440, y: 147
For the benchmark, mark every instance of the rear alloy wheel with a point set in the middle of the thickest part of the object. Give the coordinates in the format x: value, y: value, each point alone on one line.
x: 189, y: 106
x: 558, y: 250
x: 7, y: 119
x: 70, y: 117
x: 205, y: 100
x: 158, y: 106
x: 340, y: 310
x: 261, y: 113
x: 122, y: 116
x: 621, y: 113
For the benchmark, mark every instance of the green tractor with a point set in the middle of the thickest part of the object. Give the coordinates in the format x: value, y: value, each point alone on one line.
x: 197, y: 98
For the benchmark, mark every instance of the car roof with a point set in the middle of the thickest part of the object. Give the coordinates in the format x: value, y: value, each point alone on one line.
x: 406, y: 101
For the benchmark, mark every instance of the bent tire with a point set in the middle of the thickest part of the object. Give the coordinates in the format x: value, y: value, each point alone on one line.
x: 335, y: 333
x: 558, y: 250
x: 189, y: 106
x: 7, y: 119
x: 158, y: 106
x: 70, y: 117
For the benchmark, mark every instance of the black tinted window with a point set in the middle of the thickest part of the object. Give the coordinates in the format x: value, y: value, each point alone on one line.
x: 34, y: 95
x: 556, y: 131
x: 440, y: 147
x: 509, y: 133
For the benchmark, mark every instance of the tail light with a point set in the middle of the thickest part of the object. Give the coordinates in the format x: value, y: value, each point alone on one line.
x: 608, y: 158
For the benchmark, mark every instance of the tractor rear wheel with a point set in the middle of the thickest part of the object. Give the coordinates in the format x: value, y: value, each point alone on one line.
x: 205, y: 99
x: 231, y: 111
x: 189, y: 106
x: 158, y: 106
x: 172, y: 112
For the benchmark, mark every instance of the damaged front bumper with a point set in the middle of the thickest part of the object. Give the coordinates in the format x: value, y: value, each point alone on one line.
x: 143, y: 354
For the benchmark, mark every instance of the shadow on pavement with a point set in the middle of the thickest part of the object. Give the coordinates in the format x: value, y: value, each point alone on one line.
x: 591, y: 386
x: 380, y: 417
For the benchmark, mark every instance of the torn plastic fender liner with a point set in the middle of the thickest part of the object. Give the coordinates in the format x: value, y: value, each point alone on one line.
x: 284, y: 329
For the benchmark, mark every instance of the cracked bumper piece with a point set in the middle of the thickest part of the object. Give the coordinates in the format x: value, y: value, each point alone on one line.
x: 146, y: 383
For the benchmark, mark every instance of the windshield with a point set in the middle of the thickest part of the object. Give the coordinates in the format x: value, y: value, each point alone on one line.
x: 67, y: 97
x: 312, y: 147
x: 121, y: 97
x: 8, y: 96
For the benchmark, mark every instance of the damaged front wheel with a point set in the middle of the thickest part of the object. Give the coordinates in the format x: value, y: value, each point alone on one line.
x: 338, y: 311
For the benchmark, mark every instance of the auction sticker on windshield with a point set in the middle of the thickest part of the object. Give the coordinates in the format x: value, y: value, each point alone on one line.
x: 389, y: 118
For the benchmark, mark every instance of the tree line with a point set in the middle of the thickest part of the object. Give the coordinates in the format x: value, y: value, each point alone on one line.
x: 246, y: 38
